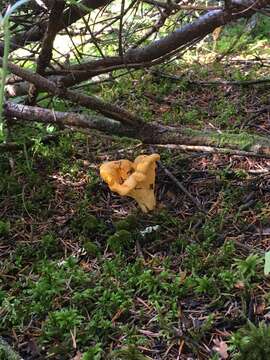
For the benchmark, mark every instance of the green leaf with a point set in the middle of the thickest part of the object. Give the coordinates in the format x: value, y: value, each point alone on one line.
x: 267, y: 263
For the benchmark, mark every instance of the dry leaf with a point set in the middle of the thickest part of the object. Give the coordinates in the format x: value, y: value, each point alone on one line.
x: 222, y: 348
x: 260, y: 308
x: 239, y: 285
x: 164, y: 108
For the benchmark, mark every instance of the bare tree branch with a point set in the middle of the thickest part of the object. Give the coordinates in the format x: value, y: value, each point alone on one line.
x: 45, y: 54
x: 91, y: 102
x: 71, y: 15
x: 174, y: 6
x: 47, y: 116
x: 135, y: 57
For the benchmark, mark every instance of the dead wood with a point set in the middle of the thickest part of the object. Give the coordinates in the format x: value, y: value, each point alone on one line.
x: 148, y: 133
x: 213, y: 150
x: 45, y: 54
x: 138, y: 56
x: 117, y: 120
x: 47, y: 116
x: 91, y: 102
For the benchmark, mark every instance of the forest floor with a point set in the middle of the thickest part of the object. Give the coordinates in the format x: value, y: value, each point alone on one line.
x: 84, y: 274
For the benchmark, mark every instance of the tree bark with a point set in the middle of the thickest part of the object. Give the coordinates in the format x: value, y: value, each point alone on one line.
x: 47, y: 116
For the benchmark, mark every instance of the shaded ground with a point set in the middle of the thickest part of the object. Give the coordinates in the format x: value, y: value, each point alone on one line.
x: 80, y: 276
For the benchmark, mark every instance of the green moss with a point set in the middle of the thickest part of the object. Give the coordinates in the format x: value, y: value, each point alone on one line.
x: 4, y: 227
x: 252, y: 342
x: 6, y: 352
x: 128, y: 353
x: 129, y: 223
x: 86, y: 224
x: 90, y: 223
x: 120, y: 241
x: 49, y: 244
x: 241, y: 141
x: 91, y: 248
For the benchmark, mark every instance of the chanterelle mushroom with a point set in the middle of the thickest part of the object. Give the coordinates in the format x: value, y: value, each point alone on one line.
x: 136, y: 179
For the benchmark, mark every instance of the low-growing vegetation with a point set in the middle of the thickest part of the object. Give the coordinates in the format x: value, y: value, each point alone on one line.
x: 86, y: 275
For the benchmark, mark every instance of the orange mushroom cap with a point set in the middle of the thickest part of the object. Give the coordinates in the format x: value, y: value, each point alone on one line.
x: 136, y: 179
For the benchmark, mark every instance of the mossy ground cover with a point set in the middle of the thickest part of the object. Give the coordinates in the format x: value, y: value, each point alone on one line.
x: 85, y: 275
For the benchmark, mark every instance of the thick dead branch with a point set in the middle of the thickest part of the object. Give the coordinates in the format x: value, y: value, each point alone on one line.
x: 148, y: 134
x: 171, y: 6
x: 244, y: 141
x: 147, y: 55
x: 21, y: 88
x: 38, y: 114
x: 18, y: 89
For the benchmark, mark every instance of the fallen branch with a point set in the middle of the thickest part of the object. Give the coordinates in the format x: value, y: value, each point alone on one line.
x: 90, y: 102
x: 213, y: 150
x: 147, y: 133
x: 180, y: 185
x: 47, y: 116
x: 46, y: 51
x: 214, y: 82
x: 138, y: 57
x: 172, y: 5
x: 243, y: 144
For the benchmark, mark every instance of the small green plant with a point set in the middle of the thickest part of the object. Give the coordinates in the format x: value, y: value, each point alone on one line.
x: 86, y: 224
x: 204, y: 285
x: 93, y: 353
x: 191, y: 116
x: 60, y: 323
x: 4, y: 227
x: 129, y: 223
x: 249, y: 267
x: 251, y: 342
x: 49, y: 242
x: 227, y: 279
x: 128, y: 353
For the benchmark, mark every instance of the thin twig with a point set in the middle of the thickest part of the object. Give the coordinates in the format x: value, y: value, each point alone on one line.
x: 212, y: 149
x: 216, y: 82
x: 120, y: 35
x: 179, y: 185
